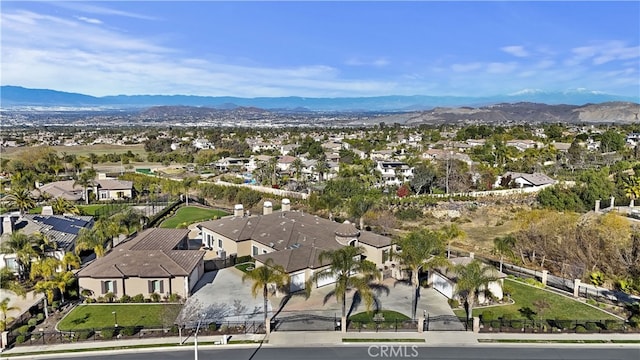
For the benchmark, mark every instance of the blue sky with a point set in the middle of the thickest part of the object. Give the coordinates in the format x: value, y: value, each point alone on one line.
x: 321, y: 49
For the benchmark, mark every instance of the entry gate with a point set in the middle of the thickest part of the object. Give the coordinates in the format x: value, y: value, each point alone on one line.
x: 305, y: 322
x: 444, y: 323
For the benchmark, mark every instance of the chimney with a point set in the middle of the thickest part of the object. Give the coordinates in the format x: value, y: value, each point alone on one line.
x: 597, y: 209
x: 613, y: 202
x: 7, y: 225
x: 267, y: 208
x: 286, y: 205
x: 238, y: 210
x: 47, y: 210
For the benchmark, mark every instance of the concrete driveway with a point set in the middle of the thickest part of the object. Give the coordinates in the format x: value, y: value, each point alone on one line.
x: 221, y: 296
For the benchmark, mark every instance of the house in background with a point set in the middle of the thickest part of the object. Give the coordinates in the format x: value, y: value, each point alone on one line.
x: 154, y: 261
x: 523, y: 180
x: 104, y: 188
x: 62, y: 230
x: 292, y: 239
x: 444, y: 281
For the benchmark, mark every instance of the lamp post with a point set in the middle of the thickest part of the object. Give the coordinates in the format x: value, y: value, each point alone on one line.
x: 115, y: 318
x: 195, y: 341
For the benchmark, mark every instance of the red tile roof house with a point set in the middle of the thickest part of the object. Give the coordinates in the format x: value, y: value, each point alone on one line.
x: 154, y: 261
x: 292, y: 239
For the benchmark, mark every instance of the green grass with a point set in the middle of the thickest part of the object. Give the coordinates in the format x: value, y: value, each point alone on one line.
x: 559, y: 306
x: 389, y: 315
x: 558, y: 341
x: 380, y: 340
x: 101, y: 316
x: 190, y: 214
x: 90, y: 209
x: 243, y: 267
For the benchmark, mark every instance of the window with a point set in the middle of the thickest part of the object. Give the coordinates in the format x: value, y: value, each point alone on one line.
x: 220, y: 243
x: 156, y: 286
x: 254, y: 251
x: 264, y: 251
x: 109, y: 286
x: 385, y: 255
x: 11, y: 264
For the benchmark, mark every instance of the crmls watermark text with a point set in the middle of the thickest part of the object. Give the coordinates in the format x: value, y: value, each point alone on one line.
x: 392, y: 351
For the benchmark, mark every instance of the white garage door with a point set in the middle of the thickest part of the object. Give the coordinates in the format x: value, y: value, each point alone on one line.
x: 297, y: 282
x: 442, y: 285
x: 326, y: 280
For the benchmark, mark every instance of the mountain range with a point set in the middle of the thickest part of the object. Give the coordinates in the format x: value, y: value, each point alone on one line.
x: 16, y: 96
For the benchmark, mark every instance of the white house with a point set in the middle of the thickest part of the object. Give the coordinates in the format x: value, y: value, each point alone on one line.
x: 394, y: 172
x: 444, y: 281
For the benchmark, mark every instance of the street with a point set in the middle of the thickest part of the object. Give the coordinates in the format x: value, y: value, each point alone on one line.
x: 375, y: 350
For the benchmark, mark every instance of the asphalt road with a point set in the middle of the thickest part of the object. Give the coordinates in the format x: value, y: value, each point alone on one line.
x: 374, y: 351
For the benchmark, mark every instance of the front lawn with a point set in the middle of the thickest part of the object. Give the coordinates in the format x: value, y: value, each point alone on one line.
x: 90, y: 209
x: 190, y: 214
x: 101, y: 316
x: 246, y: 267
x: 529, y: 297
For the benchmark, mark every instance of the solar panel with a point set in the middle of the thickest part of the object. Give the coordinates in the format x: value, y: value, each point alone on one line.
x: 67, y: 225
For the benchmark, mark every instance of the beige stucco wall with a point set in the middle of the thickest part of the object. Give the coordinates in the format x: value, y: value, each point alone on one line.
x: 134, y: 286
x: 374, y: 254
x: 228, y: 245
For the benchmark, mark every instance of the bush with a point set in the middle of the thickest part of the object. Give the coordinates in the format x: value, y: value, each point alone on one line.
x: 139, y: 298
x: 410, y: 214
x: 591, y: 326
x: 563, y: 323
x: 32, y: 322
x: 125, y: 298
x: 592, y: 302
x: 534, y: 282
x: 55, y: 304
x: 488, y: 316
x: 128, y: 330
x: 213, y: 327
x: 244, y: 259
x: 634, y: 321
x: 89, y: 300
x: 84, y: 334
x: 224, y: 329
x: 580, y: 329
x: 454, y: 303
x: 107, y: 334
x: 174, y: 297
x: 173, y: 329
x: 40, y: 317
x: 24, y: 329
x: 612, y: 325
x: 155, y: 297
x: 20, y: 339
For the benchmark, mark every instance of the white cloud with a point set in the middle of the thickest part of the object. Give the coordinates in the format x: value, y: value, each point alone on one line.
x: 89, y: 20
x: 603, y: 52
x: 466, y: 67
x: 380, y: 62
x: 515, y: 50
x: 501, y: 67
x: 89, y: 8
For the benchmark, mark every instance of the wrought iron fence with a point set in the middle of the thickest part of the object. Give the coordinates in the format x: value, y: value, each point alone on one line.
x: 383, y: 325
x: 557, y: 326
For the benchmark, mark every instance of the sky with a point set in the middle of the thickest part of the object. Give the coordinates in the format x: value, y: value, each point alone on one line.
x: 322, y: 48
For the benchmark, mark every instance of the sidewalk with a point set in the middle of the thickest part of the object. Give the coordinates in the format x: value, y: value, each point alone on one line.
x: 335, y: 338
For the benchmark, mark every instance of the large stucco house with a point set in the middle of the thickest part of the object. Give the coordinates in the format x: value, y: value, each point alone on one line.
x: 154, y: 261
x: 292, y: 239
x: 444, y: 281
x: 103, y: 187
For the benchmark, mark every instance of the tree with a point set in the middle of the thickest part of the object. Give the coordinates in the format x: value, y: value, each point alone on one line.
x: 62, y: 206
x: 71, y: 261
x: 450, y: 233
x: 188, y: 183
x: 262, y: 276
x: 297, y: 166
x: 8, y: 282
x: 473, y: 278
x: 86, y: 179
x: 350, y: 272
x: 322, y: 167
x: 424, y: 178
x: 360, y: 204
x: 21, y: 198
x: 420, y: 250
x: 21, y: 245
x: 88, y: 240
x: 4, y: 309
x: 504, y: 246
x: 632, y: 187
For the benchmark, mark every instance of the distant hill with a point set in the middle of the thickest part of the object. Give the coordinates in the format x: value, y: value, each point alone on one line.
x: 16, y: 96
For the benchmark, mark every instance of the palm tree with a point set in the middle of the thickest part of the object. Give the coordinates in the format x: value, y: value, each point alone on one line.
x: 188, y: 183
x: 350, y: 273
x: 46, y: 287
x: 418, y: 251
x: 63, y: 206
x: 632, y: 187
x: 21, y: 198
x: 8, y: 282
x: 87, y: 240
x: 359, y: 205
x: 322, y: 167
x: 86, y: 179
x: 106, y: 229
x: 297, y: 167
x: 262, y: 276
x: 62, y: 280
x: 504, y: 246
x: 330, y: 201
x: 472, y: 279
x: 21, y: 245
x: 4, y: 309
x: 273, y: 169
x: 451, y: 233
x: 129, y: 220
x: 71, y: 261
x: 45, y: 268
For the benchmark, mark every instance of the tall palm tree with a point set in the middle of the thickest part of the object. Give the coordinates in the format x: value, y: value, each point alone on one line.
x: 21, y: 245
x: 129, y: 220
x: 273, y: 169
x: 106, y: 229
x: 503, y: 246
x: 71, y: 261
x: 85, y: 180
x: 88, y: 240
x: 418, y: 251
x: 472, y: 279
x: 450, y: 233
x: 4, y: 309
x: 20, y: 197
x: 8, y: 282
x: 62, y: 280
x: 632, y: 187
x: 297, y: 167
x: 47, y: 287
x: 44, y: 268
x: 262, y: 276
x: 350, y: 273
x: 359, y: 205
x: 322, y: 168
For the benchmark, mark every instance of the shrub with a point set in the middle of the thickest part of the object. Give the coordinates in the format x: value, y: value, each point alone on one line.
x: 128, y: 330
x: 516, y: 324
x: 174, y: 298
x: 89, y: 300
x: 612, y: 325
x: 213, y: 327
x: 488, y: 316
x: 84, y: 334
x: 24, y: 329
x: 32, y: 322
x: 563, y: 323
x: 139, y: 298
x: 155, y: 297
x: 107, y: 334
x: 244, y: 259
x: 592, y: 302
x: 55, y: 304
x: 410, y: 214
x: 174, y: 329
x: 109, y: 297
x: 534, y: 282
x: 20, y: 339
x: 125, y: 298
x: 454, y: 303
x: 40, y: 317
x: 580, y: 329
x: 591, y: 326
x: 224, y: 329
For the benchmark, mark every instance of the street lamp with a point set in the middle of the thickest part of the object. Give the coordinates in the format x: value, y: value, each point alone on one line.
x: 195, y: 342
x: 115, y: 318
